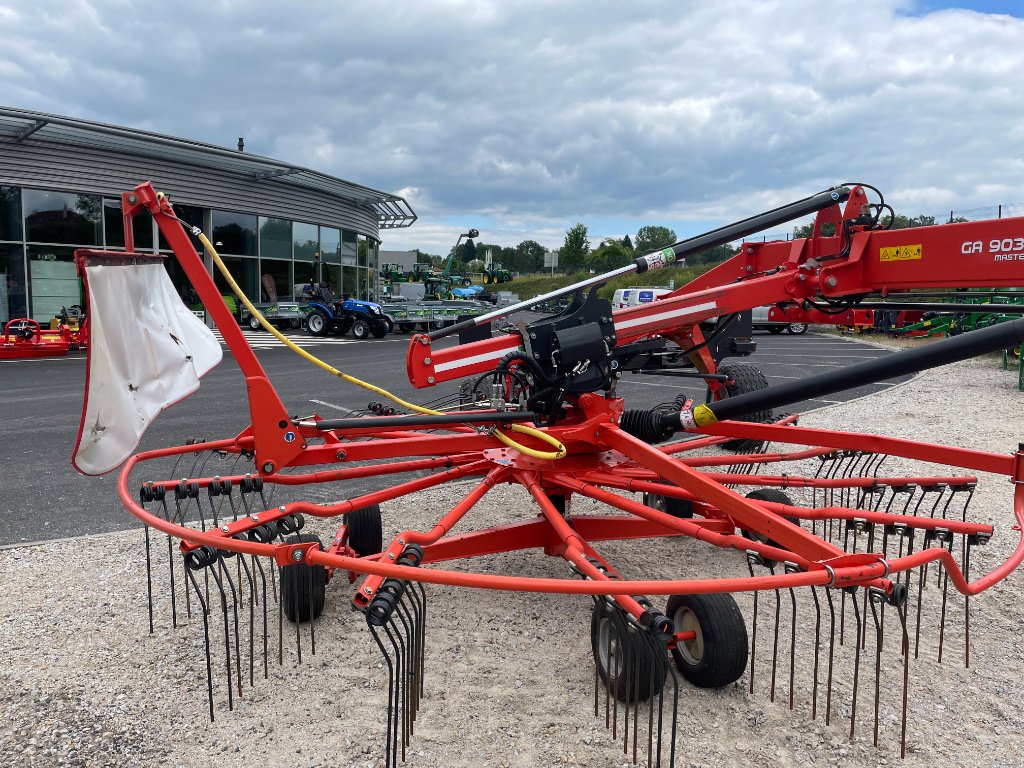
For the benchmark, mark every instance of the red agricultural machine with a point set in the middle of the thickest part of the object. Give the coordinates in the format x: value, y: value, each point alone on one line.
x: 25, y: 339
x: 815, y: 521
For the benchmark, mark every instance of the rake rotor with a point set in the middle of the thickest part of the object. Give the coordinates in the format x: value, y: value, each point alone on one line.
x: 827, y: 539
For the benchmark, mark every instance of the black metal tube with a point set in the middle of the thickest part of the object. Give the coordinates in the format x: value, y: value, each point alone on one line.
x: 754, y: 224
x: 951, y: 350
x: 696, y: 244
x: 426, y: 420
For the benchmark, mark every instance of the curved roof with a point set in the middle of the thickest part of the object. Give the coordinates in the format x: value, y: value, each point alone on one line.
x: 21, y: 125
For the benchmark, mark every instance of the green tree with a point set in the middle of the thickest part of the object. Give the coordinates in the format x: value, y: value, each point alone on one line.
x: 611, y: 254
x: 713, y: 255
x: 627, y: 243
x: 529, y: 256
x: 651, y: 238
x: 575, y: 249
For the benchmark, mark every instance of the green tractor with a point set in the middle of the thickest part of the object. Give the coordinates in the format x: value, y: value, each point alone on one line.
x: 393, y: 272
x: 496, y: 273
x: 420, y: 273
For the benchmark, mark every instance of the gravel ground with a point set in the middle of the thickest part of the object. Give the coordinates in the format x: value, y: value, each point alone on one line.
x: 509, y: 677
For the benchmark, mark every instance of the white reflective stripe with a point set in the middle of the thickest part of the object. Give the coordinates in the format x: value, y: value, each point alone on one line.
x: 497, y: 354
x: 668, y: 315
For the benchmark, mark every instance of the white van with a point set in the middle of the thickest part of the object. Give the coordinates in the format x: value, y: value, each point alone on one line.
x: 631, y: 297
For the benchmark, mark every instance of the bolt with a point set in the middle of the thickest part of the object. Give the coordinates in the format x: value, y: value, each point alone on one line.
x: 340, y: 455
x: 533, y: 335
x: 254, y: 518
x: 391, y: 555
x: 749, y: 268
x: 366, y: 590
x: 281, y: 508
x: 268, y: 467
x: 426, y: 361
x: 430, y: 379
x: 224, y: 529
x: 750, y: 250
x: 297, y: 555
x: 133, y: 199
x: 831, y: 282
x: 401, y: 541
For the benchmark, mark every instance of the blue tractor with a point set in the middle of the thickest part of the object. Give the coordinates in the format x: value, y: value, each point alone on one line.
x: 328, y: 315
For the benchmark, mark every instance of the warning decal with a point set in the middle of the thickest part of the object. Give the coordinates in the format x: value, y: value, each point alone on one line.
x: 900, y: 253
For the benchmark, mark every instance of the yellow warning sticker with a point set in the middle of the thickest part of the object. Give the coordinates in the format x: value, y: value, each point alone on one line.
x: 900, y: 253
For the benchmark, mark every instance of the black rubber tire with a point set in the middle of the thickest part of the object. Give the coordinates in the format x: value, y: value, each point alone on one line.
x: 361, y: 329
x: 318, y: 324
x: 254, y: 323
x: 365, y: 532
x: 773, y: 495
x: 745, y: 378
x: 775, y: 329
x: 646, y: 675
x: 407, y: 327
x: 379, y: 330
x: 682, y: 508
x: 797, y: 328
x: 719, y: 654
x: 303, y: 586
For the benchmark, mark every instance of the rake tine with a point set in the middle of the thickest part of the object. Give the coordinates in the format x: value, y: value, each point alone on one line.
x: 901, y: 610
x: 775, y: 642
x: 753, y: 557
x: 968, y: 542
x: 263, y: 586
x: 920, y: 602
x: 856, y: 666
x: 149, y: 578
x: 792, y: 568
x: 389, y: 751
x: 234, y: 608
x: 831, y: 654
x: 877, y: 598
x: 216, y: 565
x: 189, y: 561
x: 401, y: 610
x: 945, y: 590
x: 170, y: 561
x: 252, y: 618
x: 411, y: 608
x: 817, y: 652
x: 869, y: 548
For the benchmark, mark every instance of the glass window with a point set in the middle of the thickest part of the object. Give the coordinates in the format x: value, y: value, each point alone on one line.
x: 332, y: 276
x: 330, y: 245
x: 275, y: 238
x: 190, y: 215
x: 234, y: 233
x: 63, y: 217
x: 276, y: 282
x: 348, y: 248
x: 10, y: 213
x: 349, y: 282
x: 306, y: 238
x: 13, y: 294
x: 362, y: 251
x: 113, y: 227
x: 53, y: 280
x: 246, y: 274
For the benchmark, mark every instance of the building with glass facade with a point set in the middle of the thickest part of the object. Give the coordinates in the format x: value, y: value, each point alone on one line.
x: 278, y: 226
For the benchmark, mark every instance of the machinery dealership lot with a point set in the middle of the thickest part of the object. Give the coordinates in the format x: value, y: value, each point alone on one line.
x: 508, y: 676
x: 45, y: 499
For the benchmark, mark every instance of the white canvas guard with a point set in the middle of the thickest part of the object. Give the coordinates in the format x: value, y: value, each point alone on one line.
x: 146, y: 351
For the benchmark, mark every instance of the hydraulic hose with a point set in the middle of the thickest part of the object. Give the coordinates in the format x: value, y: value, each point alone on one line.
x: 558, y: 453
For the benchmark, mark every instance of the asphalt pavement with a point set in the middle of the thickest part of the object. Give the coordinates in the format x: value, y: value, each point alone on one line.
x: 43, y: 498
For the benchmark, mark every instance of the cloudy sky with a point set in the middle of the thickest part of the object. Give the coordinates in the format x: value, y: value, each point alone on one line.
x: 523, y: 117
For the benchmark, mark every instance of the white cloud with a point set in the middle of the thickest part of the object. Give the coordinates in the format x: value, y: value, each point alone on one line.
x: 528, y: 117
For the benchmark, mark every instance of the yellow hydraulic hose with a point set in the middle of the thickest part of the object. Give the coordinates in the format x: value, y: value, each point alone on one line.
x: 558, y: 453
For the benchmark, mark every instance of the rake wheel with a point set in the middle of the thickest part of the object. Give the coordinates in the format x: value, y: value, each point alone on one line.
x: 365, y: 535
x: 744, y: 379
x: 717, y: 656
x: 303, y: 586
x: 626, y: 665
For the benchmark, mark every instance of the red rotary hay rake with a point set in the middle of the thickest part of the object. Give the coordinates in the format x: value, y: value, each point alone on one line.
x: 817, y: 522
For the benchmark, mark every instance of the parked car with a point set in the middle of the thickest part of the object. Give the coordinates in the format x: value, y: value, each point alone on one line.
x: 761, y: 321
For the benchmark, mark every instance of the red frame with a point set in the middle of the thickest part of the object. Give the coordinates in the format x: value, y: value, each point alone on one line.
x: 600, y: 453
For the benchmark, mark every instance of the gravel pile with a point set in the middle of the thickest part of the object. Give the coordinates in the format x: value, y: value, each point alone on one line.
x: 509, y: 677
